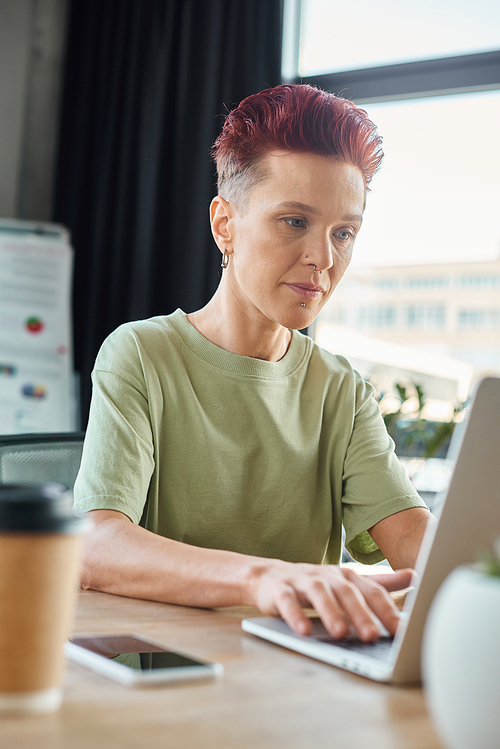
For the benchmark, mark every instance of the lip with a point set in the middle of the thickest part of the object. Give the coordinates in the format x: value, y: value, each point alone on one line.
x: 308, y: 290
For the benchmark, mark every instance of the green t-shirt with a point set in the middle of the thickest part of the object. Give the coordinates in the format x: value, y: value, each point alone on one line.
x: 224, y: 451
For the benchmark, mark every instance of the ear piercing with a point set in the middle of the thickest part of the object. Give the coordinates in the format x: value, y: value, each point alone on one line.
x: 225, y: 259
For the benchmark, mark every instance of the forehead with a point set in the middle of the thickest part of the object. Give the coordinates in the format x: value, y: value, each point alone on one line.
x: 289, y: 176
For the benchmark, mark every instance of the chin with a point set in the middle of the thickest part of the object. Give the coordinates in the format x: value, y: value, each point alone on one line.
x: 300, y: 319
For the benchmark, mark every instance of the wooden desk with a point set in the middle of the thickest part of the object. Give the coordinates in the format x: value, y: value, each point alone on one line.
x: 269, y: 698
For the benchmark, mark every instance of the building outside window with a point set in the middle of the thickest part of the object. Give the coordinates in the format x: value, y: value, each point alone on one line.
x: 483, y: 281
x: 377, y: 317
x: 479, y: 318
x: 427, y: 282
x: 426, y: 316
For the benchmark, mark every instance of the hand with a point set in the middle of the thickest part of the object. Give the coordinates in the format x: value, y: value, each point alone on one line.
x: 340, y: 596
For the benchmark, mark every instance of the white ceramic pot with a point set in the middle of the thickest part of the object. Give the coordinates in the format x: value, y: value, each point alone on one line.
x: 461, y: 660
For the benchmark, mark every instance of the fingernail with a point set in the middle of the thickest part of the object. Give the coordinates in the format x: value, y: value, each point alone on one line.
x: 303, y: 628
x: 370, y: 633
x: 339, y: 630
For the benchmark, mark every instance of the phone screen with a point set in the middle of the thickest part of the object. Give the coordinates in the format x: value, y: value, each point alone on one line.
x: 136, y: 653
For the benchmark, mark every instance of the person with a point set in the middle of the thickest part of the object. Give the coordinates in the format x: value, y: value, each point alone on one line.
x: 225, y: 450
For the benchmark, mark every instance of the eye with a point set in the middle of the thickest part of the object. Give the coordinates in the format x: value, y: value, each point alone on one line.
x: 344, y: 234
x: 297, y: 223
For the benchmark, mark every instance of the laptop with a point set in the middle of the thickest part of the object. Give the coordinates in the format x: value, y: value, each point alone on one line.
x: 468, y: 523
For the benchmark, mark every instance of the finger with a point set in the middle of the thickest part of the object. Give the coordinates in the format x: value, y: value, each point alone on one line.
x: 318, y: 591
x: 352, y: 601
x: 397, y: 580
x: 288, y: 607
x: 378, y: 599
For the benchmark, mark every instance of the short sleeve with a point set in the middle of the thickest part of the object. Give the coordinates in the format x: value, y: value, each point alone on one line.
x: 375, y: 484
x: 117, y: 461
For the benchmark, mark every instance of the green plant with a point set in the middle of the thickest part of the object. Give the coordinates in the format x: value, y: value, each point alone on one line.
x: 490, y: 561
x: 414, y: 435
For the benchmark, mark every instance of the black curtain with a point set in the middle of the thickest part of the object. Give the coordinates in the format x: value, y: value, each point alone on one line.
x: 146, y: 85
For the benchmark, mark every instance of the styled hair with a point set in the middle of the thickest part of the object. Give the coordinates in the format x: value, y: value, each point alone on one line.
x: 292, y: 117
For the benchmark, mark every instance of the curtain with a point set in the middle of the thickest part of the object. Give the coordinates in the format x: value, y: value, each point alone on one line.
x: 146, y: 86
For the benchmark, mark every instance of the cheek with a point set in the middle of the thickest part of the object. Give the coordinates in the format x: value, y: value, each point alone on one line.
x: 338, y: 269
x: 343, y: 261
x: 251, y: 266
x: 265, y: 257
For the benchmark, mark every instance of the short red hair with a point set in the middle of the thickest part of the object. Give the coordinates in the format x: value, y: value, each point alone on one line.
x: 293, y: 117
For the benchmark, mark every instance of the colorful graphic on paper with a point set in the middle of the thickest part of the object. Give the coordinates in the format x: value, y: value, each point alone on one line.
x: 36, y: 379
x: 37, y: 391
x: 8, y: 370
x: 34, y: 324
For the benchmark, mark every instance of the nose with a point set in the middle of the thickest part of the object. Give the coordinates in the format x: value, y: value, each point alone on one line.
x: 320, y: 256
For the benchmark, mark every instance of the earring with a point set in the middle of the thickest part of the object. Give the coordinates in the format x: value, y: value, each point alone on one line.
x: 225, y: 259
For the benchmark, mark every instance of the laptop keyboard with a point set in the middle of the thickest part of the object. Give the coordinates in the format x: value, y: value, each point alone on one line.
x: 380, y: 649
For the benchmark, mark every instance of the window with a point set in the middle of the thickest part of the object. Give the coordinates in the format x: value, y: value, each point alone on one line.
x: 475, y: 281
x: 377, y: 317
x: 368, y: 34
x: 429, y: 282
x: 387, y: 283
x: 470, y: 319
x: 425, y: 206
x: 428, y: 74
x: 425, y: 316
x: 442, y: 46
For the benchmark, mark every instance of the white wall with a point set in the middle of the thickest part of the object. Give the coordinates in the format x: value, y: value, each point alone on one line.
x: 32, y: 36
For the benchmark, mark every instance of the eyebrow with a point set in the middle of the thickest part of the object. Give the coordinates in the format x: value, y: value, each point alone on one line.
x: 299, y: 207
x: 294, y: 205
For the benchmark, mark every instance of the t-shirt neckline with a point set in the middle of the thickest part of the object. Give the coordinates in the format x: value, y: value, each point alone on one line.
x: 243, y: 365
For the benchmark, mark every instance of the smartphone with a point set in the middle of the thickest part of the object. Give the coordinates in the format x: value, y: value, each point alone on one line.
x: 135, y: 660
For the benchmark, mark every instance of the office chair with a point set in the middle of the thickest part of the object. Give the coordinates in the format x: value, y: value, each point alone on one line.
x: 33, y: 459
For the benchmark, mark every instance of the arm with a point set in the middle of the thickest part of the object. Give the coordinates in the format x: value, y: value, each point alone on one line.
x: 125, y: 559
x: 379, y: 501
x: 399, y: 536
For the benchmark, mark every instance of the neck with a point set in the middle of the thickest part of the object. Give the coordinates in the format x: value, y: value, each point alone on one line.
x: 226, y: 323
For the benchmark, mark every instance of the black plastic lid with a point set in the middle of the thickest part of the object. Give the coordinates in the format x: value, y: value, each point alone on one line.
x: 41, y: 509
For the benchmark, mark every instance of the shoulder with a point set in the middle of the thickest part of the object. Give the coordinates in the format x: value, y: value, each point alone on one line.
x: 137, y: 342
x: 339, y: 372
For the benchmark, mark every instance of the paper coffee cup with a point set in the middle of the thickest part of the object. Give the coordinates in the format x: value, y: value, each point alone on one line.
x: 40, y: 540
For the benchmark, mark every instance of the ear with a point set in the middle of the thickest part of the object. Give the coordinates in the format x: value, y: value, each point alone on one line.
x: 221, y: 214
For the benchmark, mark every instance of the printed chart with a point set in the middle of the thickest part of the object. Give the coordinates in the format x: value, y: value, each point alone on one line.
x: 36, y: 370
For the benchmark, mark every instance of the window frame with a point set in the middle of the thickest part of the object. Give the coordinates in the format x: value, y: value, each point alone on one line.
x: 438, y: 77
